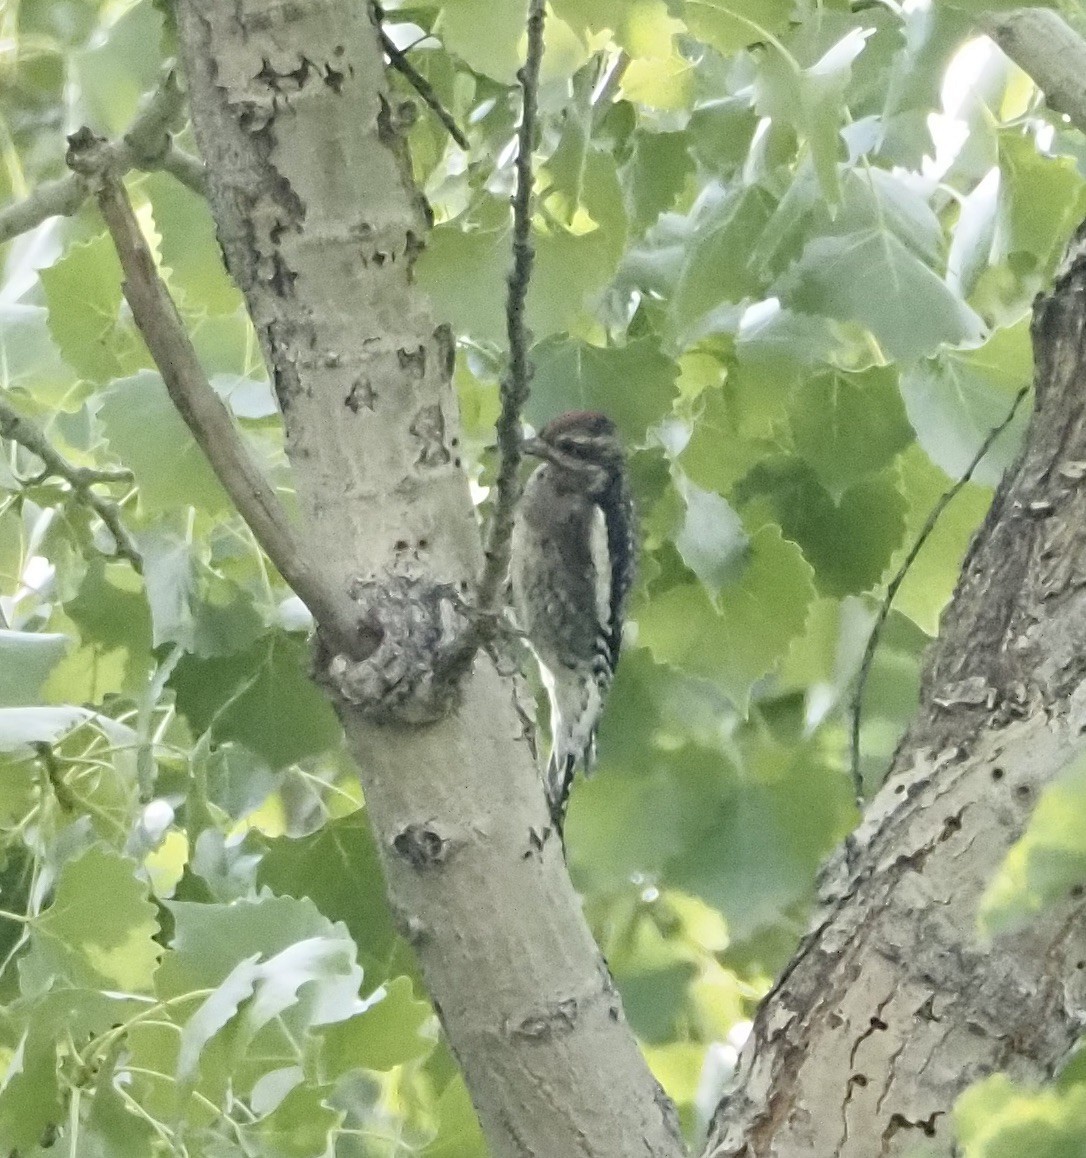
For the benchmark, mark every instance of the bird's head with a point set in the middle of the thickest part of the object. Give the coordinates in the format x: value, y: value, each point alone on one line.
x: 582, y: 442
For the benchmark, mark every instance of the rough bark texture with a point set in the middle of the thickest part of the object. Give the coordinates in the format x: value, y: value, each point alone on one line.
x: 893, y: 1004
x: 320, y: 223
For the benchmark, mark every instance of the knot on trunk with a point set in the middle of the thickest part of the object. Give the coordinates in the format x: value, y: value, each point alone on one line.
x: 407, y: 678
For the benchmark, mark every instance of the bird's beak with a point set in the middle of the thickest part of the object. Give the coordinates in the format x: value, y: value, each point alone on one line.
x: 536, y: 447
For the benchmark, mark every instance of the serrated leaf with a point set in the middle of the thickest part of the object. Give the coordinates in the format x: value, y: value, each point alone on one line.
x: 83, y: 291
x: 100, y: 929
x: 116, y: 68
x: 812, y: 100
x: 712, y: 540
x: 301, y: 1126
x: 761, y: 846
x: 715, y: 273
x: 849, y: 542
x: 29, y: 359
x: 384, y: 1035
x: 748, y: 633
x: 148, y: 435
x: 261, y: 698
x: 189, y: 247
x: 23, y: 727
x: 848, y: 426
x: 485, y: 37
x: 1000, y: 1118
x: 338, y: 869
x: 633, y: 384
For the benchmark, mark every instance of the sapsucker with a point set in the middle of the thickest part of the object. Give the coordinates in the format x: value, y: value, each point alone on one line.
x: 572, y: 565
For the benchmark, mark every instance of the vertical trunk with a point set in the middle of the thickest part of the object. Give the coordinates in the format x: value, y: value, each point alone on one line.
x: 320, y: 223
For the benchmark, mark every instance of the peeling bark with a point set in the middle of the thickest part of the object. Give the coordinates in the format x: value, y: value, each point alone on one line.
x: 320, y: 223
x: 894, y: 1004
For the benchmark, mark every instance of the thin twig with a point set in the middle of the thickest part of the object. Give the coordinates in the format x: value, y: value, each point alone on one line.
x: 81, y: 479
x: 146, y: 145
x: 398, y: 59
x: 856, y: 707
x: 516, y: 384
x: 203, y: 411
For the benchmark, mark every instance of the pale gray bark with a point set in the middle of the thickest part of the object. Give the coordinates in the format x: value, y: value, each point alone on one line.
x: 310, y: 186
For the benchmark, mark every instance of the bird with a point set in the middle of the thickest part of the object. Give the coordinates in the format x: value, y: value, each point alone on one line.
x: 572, y: 561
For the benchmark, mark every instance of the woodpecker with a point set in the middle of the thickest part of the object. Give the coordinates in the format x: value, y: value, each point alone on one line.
x: 571, y: 568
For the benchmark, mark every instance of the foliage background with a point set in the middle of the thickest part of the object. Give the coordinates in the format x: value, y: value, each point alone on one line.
x: 791, y: 247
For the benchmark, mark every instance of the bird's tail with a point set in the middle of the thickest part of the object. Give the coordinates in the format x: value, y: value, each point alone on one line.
x: 559, y: 781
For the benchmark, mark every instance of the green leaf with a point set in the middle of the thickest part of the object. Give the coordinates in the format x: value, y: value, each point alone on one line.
x: 711, y: 541
x: 119, y: 65
x: 848, y: 426
x: 999, y: 1118
x: 812, y: 101
x: 151, y: 439
x: 849, y: 542
x: 485, y: 36
x: 29, y: 359
x: 261, y: 698
x: 338, y: 869
x: 384, y: 1035
x: 760, y: 848
x: 83, y: 292
x: 465, y: 266
x: 29, y: 1094
x: 23, y: 727
x: 633, y: 384
x: 957, y: 398
x: 715, y: 277
x: 458, y: 1134
x: 747, y: 633
x: 871, y: 277
x: 189, y: 247
x: 732, y: 25
x: 112, y: 1129
x: 26, y: 659
x: 930, y: 581
x: 301, y: 1126
x: 100, y: 929
x: 655, y: 175
x: 191, y: 604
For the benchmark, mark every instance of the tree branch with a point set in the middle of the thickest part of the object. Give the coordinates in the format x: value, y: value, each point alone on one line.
x: 516, y: 384
x: 204, y: 412
x: 81, y: 479
x: 398, y: 59
x: 146, y: 145
x: 1049, y: 51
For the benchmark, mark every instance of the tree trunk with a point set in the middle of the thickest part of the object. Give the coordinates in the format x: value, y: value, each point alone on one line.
x: 310, y: 185
x: 894, y: 1003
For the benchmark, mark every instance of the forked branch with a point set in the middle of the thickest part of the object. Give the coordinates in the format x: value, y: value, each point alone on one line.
x: 203, y: 411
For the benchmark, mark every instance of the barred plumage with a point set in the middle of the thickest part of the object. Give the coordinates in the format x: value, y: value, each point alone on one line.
x: 572, y: 567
